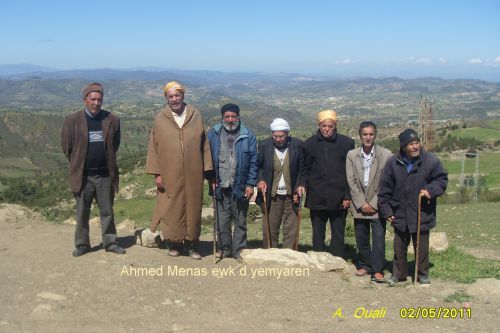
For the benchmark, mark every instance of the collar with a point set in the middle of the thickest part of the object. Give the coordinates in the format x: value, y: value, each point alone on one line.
x: 88, y: 113
x: 370, y: 154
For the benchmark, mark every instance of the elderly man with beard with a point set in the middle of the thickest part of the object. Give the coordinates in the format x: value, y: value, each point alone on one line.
x: 324, y: 178
x: 234, y: 155
x: 178, y: 156
x: 411, y: 172
x: 280, y: 162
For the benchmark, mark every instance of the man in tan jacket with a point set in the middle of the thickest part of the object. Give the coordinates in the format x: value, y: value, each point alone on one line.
x: 364, y: 167
x: 90, y: 139
x: 178, y: 156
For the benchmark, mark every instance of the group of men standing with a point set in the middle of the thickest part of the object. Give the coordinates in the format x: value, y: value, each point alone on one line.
x: 327, y: 169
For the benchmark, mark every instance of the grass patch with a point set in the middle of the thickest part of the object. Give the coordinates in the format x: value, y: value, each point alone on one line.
x: 458, y: 296
x: 453, y: 264
x: 473, y: 225
x: 478, y: 133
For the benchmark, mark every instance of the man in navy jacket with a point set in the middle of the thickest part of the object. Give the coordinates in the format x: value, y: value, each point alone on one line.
x: 407, y: 174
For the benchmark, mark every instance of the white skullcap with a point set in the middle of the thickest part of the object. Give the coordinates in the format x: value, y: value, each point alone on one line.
x: 279, y: 124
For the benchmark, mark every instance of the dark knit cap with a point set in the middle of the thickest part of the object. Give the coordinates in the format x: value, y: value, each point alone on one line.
x: 230, y: 107
x: 407, y: 136
x: 92, y: 87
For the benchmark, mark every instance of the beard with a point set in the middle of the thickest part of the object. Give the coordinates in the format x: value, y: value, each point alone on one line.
x: 231, y: 127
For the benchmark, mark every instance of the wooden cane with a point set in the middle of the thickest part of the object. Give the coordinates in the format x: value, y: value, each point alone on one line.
x: 267, y: 220
x: 214, y: 233
x: 419, y: 217
x: 299, y: 216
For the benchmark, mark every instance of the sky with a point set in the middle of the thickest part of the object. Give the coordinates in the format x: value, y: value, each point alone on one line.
x: 345, y: 38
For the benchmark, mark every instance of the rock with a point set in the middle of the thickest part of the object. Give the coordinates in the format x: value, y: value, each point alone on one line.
x: 42, y: 312
x: 17, y: 213
x: 438, y: 242
x: 326, y: 262
x: 322, y: 261
x: 51, y: 296
x: 489, y: 287
x: 71, y: 221
x: 207, y: 211
x: 151, y: 192
x: 146, y: 238
x: 126, y: 225
x: 127, y: 192
x: 178, y: 327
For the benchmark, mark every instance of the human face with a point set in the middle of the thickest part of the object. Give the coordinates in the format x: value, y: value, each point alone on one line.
x: 279, y: 138
x: 327, y: 128
x: 93, y: 102
x: 412, y: 150
x: 175, y: 100
x: 230, y: 120
x: 368, y: 136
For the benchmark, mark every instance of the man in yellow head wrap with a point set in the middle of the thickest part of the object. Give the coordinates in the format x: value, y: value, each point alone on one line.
x: 178, y: 156
x: 324, y: 179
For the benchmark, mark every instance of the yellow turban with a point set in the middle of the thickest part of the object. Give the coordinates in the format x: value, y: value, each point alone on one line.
x: 175, y: 85
x: 327, y: 114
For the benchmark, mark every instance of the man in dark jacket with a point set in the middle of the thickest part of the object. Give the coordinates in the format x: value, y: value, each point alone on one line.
x: 407, y: 174
x: 234, y: 156
x: 324, y: 177
x: 280, y: 161
x: 90, y: 139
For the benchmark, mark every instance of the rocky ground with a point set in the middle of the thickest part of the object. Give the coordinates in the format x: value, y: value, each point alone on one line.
x: 44, y: 289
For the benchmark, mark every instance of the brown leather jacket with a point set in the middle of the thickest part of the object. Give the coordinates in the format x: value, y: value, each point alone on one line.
x: 74, y: 142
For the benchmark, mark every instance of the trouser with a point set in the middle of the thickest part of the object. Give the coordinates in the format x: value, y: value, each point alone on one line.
x: 229, y: 209
x: 281, y: 212
x: 401, y: 242
x: 371, y: 258
x: 99, y: 188
x: 337, y: 227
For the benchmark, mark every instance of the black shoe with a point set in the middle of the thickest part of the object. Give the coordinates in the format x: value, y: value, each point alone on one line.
x: 116, y: 249
x: 80, y: 251
x: 424, y: 280
x: 393, y: 280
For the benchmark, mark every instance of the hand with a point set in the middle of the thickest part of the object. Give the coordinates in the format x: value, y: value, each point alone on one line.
x: 248, y: 192
x: 301, y: 190
x: 159, y: 183
x: 426, y: 194
x: 262, y: 186
x: 366, y: 209
x: 390, y: 219
x: 212, y: 185
x: 295, y: 198
x: 346, y: 203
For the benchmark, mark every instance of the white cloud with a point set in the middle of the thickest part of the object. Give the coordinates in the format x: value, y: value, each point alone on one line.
x: 423, y: 61
x: 497, y: 60
x: 443, y: 60
x: 475, y: 61
x: 343, y: 62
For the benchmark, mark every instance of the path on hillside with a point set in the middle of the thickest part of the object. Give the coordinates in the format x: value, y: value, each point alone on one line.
x: 44, y: 289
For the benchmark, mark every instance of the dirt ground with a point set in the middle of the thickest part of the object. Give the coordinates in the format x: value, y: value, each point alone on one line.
x: 44, y: 289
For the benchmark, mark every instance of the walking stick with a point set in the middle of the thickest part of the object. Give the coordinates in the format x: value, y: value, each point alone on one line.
x: 214, y: 233
x: 299, y: 216
x: 267, y: 220
x: 419, y: 217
